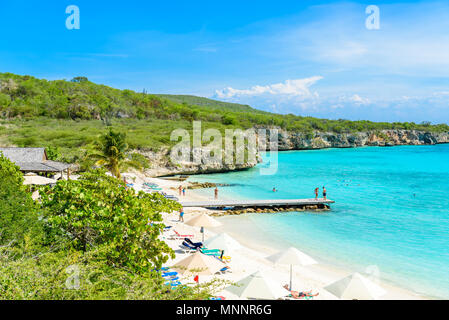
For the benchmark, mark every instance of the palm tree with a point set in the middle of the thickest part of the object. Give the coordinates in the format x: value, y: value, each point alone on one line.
x: 113, y: 153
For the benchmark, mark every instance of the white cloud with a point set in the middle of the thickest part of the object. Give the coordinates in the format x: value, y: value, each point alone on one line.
x: 297, y: 87
x: 358, y: 100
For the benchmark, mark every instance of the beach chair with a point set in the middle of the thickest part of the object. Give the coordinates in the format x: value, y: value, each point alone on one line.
x: 169, y: 274
x: 173, y: 283
x: 217, y: 298
x: 224, y: 270
x: 162, y: 269
x: 226, y: 259
x: 187, y: 248
x: 193, y: 244
x: 182, y: 236
x: 300, y: 296
x: 176, y: 236
x: 211, y: 252
x: 150, y: 185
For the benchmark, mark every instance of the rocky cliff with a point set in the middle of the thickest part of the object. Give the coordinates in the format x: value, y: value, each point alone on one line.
x: 162, y: 165
x: 321, y: 140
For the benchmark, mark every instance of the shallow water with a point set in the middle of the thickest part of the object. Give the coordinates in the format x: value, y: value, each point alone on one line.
x: 391, y: 210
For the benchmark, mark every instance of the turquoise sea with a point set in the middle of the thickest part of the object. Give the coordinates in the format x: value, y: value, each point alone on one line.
x: 391, y: 210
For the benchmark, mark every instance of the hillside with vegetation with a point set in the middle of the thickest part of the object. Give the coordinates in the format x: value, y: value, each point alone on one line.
x: 71, y: 115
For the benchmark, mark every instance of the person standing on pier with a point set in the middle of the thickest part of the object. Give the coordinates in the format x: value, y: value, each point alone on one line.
x: 216, y: 193
x: 324, y: 193
x: 316, y: 193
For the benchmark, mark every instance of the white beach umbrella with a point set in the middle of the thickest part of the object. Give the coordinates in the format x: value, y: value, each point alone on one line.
x: 222, y: 241
x: 37, y: 180
x: 257, y: 286
x: 203, y: 220
x: 292, y: 256
x: 199, y: 264
x: 357, y: 287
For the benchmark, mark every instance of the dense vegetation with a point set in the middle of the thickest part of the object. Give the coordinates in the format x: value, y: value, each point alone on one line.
x: 72, y: 114
x: 88, y: 239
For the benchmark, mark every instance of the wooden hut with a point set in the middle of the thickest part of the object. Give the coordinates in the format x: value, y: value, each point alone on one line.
x: 34, y: 160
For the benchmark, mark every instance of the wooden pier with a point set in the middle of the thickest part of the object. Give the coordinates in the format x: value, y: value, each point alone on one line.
x: 258, y: 204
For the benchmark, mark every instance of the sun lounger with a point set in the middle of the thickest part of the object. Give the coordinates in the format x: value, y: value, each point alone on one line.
x: 173, y: 278
x: 224, y: 270
x: 211, y: 251
x: 169, y: 196
x: 182, y: 236
x: 226, y: 259
x: 176, y: 236
x: 187, y: 248
x: 193, y: 244
x: 166, y: 228
x: 150, y: 184
x: 162, y: 269
x: 300, y: 295
x: 173, y: 284
x: 169, y: 274
x: 217, y: 254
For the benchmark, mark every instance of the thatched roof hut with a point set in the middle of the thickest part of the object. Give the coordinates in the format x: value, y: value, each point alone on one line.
x: 33, y: 160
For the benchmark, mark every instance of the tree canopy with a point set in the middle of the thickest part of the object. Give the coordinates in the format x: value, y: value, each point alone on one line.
x: 98, y: 210
x: 18, y: 215
x: 88, y: 239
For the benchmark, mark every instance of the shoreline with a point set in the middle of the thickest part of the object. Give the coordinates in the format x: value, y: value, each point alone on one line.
x: 256, y: 248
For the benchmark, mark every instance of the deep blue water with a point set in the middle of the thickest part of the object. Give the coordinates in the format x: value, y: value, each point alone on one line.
x: 391, y: 209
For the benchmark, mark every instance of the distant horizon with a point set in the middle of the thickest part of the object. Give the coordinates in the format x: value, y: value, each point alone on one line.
x: 384, y: 62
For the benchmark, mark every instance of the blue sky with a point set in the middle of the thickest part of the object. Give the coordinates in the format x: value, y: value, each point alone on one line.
x: 312, y: 58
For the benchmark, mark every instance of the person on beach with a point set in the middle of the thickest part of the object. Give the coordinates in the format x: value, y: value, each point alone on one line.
x: 317, y: 190
x: 299, y: 295
x: 324, y: 193
x: 216, y: 193
x: 180, y: 189
x: 181, y: 215
x: 184, y: 191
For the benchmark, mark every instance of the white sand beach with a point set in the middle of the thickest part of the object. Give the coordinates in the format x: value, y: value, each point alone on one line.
x: 251, y: 257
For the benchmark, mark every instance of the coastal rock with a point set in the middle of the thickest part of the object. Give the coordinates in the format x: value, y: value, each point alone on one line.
x: 321, y: 140
x: 161, y: 165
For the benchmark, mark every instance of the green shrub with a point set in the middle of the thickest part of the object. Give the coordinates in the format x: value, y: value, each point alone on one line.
x: 18, y: 215
x: 97, y: 210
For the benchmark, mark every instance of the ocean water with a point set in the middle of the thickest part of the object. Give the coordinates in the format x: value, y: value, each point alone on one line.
x: 391, y: 214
